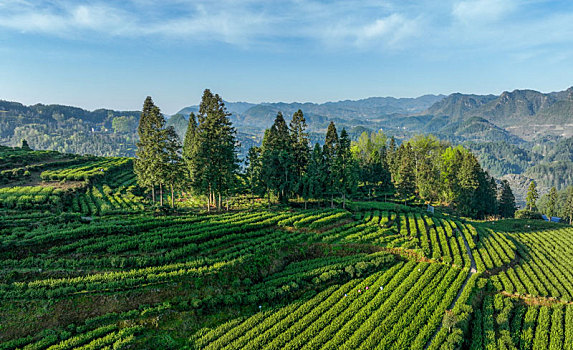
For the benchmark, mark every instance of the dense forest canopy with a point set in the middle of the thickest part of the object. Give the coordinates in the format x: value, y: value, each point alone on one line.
x: 287, y: 166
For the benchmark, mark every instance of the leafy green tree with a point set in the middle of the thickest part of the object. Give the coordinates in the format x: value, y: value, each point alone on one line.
x: 552, y: 204
x: 426, y: 151
x: 532, y: 196
x: 405, y: 179
x: 370, y: 153
x: 277, y: 159
x: 450, y: 320
x: 148, y: 158
x: 450, y: 161
x: 214, y: 162
x: 506, y: 201
x: 428, y: 179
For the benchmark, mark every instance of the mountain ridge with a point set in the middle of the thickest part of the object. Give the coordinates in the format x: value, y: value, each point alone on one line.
x: 516, y: 111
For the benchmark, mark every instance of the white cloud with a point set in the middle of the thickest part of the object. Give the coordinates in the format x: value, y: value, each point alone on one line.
x: 196, y: 20
x: 237, y: 26
x: 234, y: 22
x: 393, y: 29
x: 482, y: 11
x: 338, y: 24
x: 64, y: 20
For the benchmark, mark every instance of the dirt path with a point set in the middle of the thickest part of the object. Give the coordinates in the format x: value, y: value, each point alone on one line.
x: 473, y: 270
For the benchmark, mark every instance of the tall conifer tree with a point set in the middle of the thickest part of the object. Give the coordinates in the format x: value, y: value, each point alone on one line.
x: 148, y: 158
x: 345, y: 168
x: 552, y: 204
x: 506, y: 200
x: 314, y: 179
x: 214, y: 162
x: 254, y: 169
x: 329, y: 150
x: 189, y: 145
x: 300, y: 148
x: 173, y: 167
x: 532, y: 196
x: 468, y: 176
x: 330, y: 143
x: 569, y: 204
x: 405, y: 178
x: 277, y: 159
x: 391, y: 159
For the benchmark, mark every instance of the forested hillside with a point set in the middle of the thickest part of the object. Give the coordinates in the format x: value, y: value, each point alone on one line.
x: 68, y: 129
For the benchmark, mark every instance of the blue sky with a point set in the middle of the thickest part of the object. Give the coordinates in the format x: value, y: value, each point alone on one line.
x: 112, y: 54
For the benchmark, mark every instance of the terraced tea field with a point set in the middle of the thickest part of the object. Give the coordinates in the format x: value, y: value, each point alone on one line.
x: 44, y: 180
x: 378, y: 275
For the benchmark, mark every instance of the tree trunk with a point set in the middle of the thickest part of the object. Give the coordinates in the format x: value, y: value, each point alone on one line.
x: 332, y: 201
x: 227, y: 203
x: 160, y: 194
x: 343, y: 201
x: 153, y: 194
x: 208, y: 202
x: 305, y: 202
x: 172, y: 200
x: 219, y: 204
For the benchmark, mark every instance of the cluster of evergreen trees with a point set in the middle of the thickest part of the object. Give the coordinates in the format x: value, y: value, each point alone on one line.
x: 285, y: 166
x: 158, y: 162
x: 422, y: 167
x: 555, y: 203
x: 206, y: 163
x: 210, y: 151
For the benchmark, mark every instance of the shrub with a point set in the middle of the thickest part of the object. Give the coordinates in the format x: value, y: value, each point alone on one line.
x: 528, y: 214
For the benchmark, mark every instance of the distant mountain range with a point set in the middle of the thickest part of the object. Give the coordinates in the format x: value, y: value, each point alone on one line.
x: 524, y: 113
x: 263, y: 114
x: 514, y: 117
